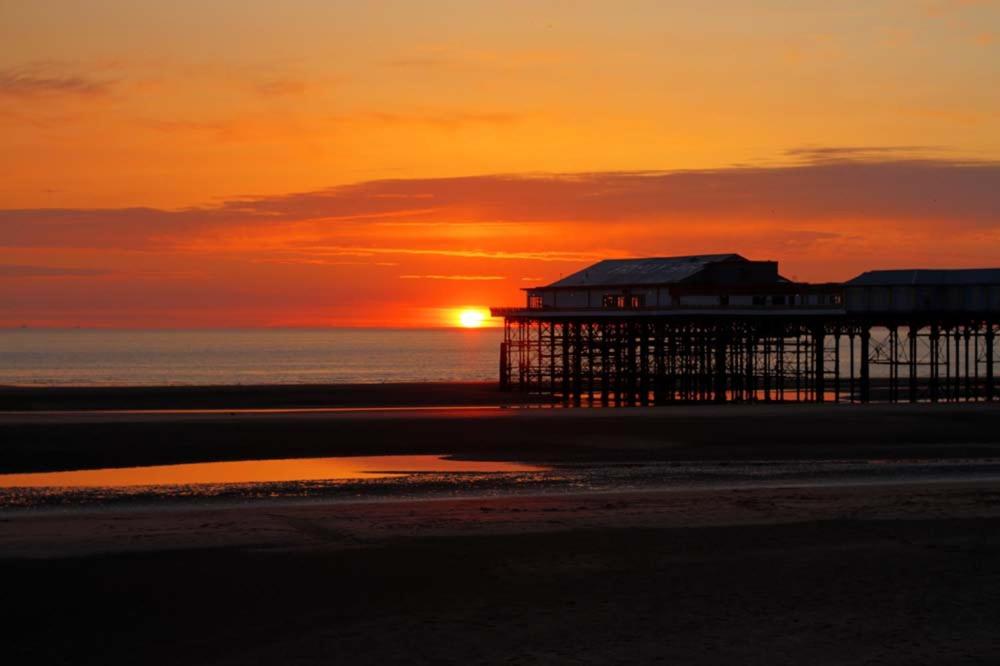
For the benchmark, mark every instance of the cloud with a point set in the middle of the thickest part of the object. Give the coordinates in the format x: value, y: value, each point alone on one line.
x: 828, y: 154
x: 801, y: 203
x: 35, y: 81
x: 463, y: 278
x: 828, y: 214
x: 20, y: 271
x: 544, y: 256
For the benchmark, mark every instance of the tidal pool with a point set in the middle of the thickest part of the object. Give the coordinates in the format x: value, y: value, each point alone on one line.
x: 260, y: 471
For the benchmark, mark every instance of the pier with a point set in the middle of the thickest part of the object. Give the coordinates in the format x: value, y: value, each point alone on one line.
x: 722, y: 328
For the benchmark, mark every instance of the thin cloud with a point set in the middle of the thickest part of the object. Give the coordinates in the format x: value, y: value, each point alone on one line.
x: 839, y: 154
x: 466, y: 254
x: 830, y: 186
x: 469, y: 278
x: 22, y: 271
x: 31, y: 82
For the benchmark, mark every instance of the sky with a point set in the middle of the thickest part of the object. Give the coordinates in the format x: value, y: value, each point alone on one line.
x: 327, y: 163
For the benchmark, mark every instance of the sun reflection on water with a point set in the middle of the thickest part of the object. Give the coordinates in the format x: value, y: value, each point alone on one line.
x: 259, y: 471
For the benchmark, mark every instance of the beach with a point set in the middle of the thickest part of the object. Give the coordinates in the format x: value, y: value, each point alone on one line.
x: 894, y: 561
x: 894, y: 575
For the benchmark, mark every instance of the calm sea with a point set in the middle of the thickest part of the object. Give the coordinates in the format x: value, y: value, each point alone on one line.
x: 289, y: 356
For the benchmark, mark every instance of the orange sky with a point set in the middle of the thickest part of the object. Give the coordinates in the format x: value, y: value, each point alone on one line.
x: 328, y: 163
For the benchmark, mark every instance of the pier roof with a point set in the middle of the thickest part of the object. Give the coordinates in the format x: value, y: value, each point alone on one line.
x: 648, y: 270
x: 927, y: 277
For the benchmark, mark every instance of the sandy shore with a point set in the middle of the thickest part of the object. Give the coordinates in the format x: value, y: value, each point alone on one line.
x: 889, y: 575
x: 886, y: 572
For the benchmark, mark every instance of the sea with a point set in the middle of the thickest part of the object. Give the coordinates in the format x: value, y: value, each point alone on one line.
x: 89, y: 357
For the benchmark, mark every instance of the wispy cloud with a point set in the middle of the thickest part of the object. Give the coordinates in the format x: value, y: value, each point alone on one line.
x: 38, y: 81
x: 847, y: 154
x: 21, y: 271
x: 827, y: 214
x: 825, y: 186
x: 543, y: 256
x: 464, y: 278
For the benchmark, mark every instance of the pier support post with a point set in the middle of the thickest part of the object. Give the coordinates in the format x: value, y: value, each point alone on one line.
x: 719, y: 366
x: 504, y: 366
x: 990, y: 335
x: 935, y: 358
x: 577, y: 364
x: 819, y: 363
x: 865, y: 378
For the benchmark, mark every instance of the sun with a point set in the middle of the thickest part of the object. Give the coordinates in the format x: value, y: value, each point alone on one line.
x: 472, y: 317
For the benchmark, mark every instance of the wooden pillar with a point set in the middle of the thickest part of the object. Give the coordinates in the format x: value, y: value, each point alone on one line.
x: 504, y: 366
x: 721, y: 340
x: 605, y: 375
x: 819, y: 340
x: 836, y: 366
x: 577, y: 361
x: 935, y: 354
x: 564, y: 338
x: 968, y: 372
x: 643, y: 362
x: 990, y: 334
x: 865, y: 378
x: 659, y: 364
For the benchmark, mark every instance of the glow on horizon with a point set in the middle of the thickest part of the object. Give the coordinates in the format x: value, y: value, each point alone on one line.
x: 240, y: 164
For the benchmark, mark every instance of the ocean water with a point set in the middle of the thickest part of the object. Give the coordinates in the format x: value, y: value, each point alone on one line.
x: 81, y: 357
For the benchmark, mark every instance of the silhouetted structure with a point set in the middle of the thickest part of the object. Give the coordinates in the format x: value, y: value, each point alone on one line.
x: 718, y: 328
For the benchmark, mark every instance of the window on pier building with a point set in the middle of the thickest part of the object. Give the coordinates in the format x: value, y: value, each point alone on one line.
x: 623, y: 301
x: 614, y: 301
x: 534, y: 302
x: 778, y: 300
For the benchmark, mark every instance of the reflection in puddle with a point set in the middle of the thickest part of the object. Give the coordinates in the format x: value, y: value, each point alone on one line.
x: 373, y: 478
x: 258, y: 471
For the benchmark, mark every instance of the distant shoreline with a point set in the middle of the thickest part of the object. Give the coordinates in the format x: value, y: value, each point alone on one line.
x: 260, y: 396
x: 22, y: 398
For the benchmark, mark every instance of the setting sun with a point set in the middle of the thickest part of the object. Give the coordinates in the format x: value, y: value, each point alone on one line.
x: 472, y: 317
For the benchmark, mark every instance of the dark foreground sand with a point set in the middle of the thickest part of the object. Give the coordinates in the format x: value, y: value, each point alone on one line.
x: 886, y: 574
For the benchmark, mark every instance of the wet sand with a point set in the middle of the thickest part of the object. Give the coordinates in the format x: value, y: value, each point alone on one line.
x: 37, y: 441
x: 855, y: 573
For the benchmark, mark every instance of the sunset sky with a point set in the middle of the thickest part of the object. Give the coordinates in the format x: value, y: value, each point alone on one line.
x: 327, y: 163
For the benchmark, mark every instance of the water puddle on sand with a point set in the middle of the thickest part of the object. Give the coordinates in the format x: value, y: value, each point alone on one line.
x: 259, y: 471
